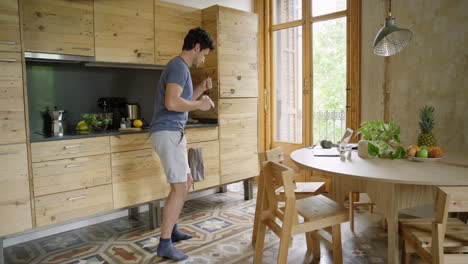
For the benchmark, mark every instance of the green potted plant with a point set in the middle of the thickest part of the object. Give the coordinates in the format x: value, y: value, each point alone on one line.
x: 380, y: 140
x: 95, y: 122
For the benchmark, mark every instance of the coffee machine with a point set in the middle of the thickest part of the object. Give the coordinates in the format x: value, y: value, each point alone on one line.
x: 115, y: 107
x: 56, y: 117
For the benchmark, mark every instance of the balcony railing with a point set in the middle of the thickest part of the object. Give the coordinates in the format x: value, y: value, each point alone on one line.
x: 329, y: 125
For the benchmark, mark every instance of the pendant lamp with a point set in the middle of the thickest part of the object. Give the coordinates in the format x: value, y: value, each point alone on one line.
x: 391, y: 39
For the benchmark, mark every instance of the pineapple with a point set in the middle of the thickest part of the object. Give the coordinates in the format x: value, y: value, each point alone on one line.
x: 426, y: 124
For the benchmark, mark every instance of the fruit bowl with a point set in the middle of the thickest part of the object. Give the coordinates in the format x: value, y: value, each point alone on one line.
x: 423, y: 159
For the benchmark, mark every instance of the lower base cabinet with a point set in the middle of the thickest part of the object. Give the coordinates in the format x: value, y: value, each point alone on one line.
x: 15, y: 204
x: 60, y: 207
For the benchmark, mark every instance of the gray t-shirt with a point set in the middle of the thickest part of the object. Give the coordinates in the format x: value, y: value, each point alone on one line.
x: 176, y: 71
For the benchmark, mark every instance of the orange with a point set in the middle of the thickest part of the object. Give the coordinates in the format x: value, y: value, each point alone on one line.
x: 439, y: 149
x: 413, y: 147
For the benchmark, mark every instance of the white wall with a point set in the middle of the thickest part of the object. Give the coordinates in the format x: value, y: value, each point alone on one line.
x: 245, y: 5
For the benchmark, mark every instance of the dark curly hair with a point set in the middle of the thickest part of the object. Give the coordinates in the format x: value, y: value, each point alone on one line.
x: 198, y: 35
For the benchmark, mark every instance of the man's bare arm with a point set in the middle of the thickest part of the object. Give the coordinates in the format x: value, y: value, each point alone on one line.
x: 174, y: 101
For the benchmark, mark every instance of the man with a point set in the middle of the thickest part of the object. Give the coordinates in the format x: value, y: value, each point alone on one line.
x: 175, y: 97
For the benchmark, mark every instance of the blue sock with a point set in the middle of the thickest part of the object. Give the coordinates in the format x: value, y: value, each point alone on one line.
x: 167, y: 250
x: 178, y: 235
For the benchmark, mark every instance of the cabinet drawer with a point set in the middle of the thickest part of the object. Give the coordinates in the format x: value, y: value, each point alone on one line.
x: 71, y: 174
x: 65, y: 149
x: 14, y: 190
x: 60, y: 207
x: 201, y: 134
x: 12, y: 121
x: 137, y: 177
x: 210, y: 152
x: 130, y: 142
x: 238, y: 139
x: 9, y: 26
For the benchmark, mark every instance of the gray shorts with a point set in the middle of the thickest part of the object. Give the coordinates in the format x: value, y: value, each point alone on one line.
x: 171, y: 147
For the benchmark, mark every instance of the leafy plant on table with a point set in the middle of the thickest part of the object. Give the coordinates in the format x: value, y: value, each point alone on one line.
x: 383, y: 139
x: 95, y: 122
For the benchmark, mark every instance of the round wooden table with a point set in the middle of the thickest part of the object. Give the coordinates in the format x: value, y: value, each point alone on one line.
x: 391, y: 184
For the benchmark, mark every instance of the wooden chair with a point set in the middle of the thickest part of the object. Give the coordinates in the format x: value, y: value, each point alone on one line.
x: 441, y: 240
x: 302, y: 189
x: 319, y: 212
x: 353, y: 203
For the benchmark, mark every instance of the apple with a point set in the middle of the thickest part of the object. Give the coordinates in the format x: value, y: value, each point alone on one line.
x: 411, y: 152
x: 434, y: 153
x: 422, y: 153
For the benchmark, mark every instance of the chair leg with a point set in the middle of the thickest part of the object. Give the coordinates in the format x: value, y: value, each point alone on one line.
x: 261, y: 203
x: 315, y: 245
x: 406, y: 254
x: 260, y: 243
x: 337, y: 247
x: 371, y: 208
x: 285, y: 240
x: 351, y: 210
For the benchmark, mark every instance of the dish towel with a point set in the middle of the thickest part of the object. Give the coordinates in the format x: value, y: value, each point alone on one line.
x: 195, y: 160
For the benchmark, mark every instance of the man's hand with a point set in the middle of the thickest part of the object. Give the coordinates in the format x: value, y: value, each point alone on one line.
x: 207, y: 84
x: 206, y: 103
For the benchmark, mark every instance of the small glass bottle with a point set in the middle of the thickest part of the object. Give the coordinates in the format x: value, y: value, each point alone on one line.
x: 123, y: 124
x: 129, y: 122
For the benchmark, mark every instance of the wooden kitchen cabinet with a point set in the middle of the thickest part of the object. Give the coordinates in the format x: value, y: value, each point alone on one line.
x: 67, y: 149
x: 238, y: 139
x: 137, y: 177
x: 10, y: 39
x: 124, y: 31
x: 12, y: 119
x: 15, y: 204
x: 61, y: 207
x: 71, y: 174
x: 59, y: 26
x: 235, y: 33
x: 172, y: 23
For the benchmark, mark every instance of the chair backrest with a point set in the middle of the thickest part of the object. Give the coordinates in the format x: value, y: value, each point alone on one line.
x: 449, y: 199
x: 275, y: 155
x: 274, y: 175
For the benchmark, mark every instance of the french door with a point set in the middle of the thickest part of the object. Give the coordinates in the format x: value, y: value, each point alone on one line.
x: 314, y: 55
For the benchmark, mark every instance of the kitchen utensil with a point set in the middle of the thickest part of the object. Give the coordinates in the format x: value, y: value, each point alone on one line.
x: 57, y: 126
x: 132, y: 111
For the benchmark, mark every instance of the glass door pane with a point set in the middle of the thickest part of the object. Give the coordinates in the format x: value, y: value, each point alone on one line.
x: 323, y: 7
x: 288, y: 85
x: 286, y: 11
x: 329, y: 79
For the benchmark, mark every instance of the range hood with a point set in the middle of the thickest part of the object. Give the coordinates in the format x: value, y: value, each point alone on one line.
x: 88, y: 61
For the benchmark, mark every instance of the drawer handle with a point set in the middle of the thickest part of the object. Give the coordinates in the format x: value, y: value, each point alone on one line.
x: 77, y: 197
x: 81, y: 48
x: 8, y: 42
x: 7, y: 60
x: 72, y: 165
x: 72, y: 146
x: 141, y: 139
x: 8, y: 153
x: 144, y: 156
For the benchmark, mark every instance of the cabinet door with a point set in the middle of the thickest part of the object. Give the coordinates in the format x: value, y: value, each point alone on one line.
x: 9, y: 26
x: 67, y: 149
x: 137, y: 177
x: 238, y: 139
x: 210, y: 152
x: 237, y: 53
x: 59, y: 26
x: 172, y: 23
x: 15, y: 204
x: 124, y: 31
x: 12, y: 121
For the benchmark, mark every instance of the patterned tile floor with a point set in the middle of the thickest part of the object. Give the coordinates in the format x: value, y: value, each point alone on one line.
x: 222, y: 228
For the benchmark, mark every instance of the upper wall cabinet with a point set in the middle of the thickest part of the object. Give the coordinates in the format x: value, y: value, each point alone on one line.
x: 9, y: 26
x: 124, y: 31
x: 172, y: 22
x: 59, y: 26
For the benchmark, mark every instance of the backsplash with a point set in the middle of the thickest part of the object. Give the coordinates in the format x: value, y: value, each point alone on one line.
x: 76, y: 89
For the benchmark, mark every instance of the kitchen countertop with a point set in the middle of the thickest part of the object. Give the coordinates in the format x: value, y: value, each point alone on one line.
x: 40, y: 137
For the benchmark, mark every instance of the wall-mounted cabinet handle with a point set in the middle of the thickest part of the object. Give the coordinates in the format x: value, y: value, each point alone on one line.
x: 72, y: 146
x: 7, y: 60
x: 226, y: 103
x: 144, y: 156
x: 9, y: 153
x: 72, y: 165
x: 8, y: 42
x: 76, y: 198
x: 81, y: 48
